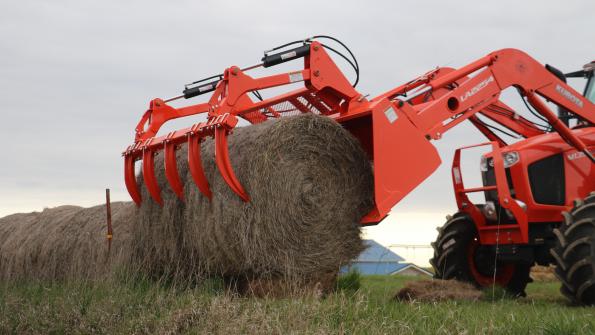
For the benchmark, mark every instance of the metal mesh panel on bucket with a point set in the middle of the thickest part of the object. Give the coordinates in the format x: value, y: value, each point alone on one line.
x: 307, y: 103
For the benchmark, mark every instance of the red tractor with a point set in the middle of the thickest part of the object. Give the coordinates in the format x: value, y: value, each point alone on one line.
x: 539, y: 204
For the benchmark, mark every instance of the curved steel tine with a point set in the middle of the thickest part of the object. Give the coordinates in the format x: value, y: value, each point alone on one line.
x: 130, y: 179
x: 224, y: 165
x: 149, y: 176
x: 195, y: 166
x: 171, y: 170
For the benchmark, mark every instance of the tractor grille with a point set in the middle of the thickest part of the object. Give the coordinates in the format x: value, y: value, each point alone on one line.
x: 546, y: 177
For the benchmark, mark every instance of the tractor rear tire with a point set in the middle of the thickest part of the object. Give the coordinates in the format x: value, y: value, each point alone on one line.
x: 455, y: 258
x: 574, y: 252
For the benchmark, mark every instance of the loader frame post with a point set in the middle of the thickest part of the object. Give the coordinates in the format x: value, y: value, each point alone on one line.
x: 506, y: 233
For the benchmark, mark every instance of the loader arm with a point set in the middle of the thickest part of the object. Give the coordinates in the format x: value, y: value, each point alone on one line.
x: 495, y: 73
x: 451, y: 97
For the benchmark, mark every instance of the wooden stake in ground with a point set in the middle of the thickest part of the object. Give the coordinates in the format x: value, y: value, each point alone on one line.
x: 110, y: 231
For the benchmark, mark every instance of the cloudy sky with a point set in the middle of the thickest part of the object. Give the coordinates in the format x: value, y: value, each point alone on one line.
x: 75, y: 76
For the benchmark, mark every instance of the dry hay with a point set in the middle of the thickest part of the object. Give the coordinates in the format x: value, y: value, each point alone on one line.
x: 309, y: 183
x: 543, y: 273
x: 63, y: 242
x: 262, y: 287
x: 438, y: 290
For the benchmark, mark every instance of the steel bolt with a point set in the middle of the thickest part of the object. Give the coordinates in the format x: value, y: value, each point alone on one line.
x: 316, y: 73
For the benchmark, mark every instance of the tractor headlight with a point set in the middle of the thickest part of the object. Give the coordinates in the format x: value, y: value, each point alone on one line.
x: 510, y: 158
x: 521, y: 204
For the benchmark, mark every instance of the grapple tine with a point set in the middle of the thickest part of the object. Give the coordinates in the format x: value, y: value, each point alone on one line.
x: 195, y: 165
x: 171, y: 170
x: 130, y: 179
x: 224, y: 165
x: 149, y: 176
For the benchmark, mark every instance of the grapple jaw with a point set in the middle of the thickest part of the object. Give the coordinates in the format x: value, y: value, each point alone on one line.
x: 149, y: 173
x: 171, y: 167
x: 321, y: 94
x: 130, y: 177
x: 216, y: 126
x: 224, y: 164
x: 195, y: 165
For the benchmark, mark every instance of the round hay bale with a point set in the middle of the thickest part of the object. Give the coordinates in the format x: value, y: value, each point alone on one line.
x: 309, y: 183
x: 66, y: 242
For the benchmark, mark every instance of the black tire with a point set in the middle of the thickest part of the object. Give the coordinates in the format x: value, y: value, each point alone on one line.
x: 574, y: 253
x: 450, y: 261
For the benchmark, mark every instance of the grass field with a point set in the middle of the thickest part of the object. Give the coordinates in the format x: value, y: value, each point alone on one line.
x: 150, y: 308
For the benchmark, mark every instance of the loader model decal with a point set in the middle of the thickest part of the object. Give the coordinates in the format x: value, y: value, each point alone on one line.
x: 477, y: 88
x: 576, y: 155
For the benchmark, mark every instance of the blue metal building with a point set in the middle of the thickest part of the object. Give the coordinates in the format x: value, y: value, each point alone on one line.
x: 376, y: 259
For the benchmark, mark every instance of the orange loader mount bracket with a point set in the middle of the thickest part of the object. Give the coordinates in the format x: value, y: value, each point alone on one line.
x: 394, y: 128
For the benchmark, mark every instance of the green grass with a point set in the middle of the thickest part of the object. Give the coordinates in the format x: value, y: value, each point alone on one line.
x: 148, y: 308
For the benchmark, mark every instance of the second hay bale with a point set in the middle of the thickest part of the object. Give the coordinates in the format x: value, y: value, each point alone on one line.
x: 66, y: 242
x: 309, y: 182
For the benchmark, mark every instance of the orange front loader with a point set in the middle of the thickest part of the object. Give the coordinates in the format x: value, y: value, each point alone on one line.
x: 396, y: 129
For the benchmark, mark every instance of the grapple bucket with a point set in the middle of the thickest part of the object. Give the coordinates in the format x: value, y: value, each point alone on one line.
x: 401, y: 154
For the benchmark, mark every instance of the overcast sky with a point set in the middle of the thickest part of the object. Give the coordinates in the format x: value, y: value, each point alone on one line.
x: 75, y: 76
